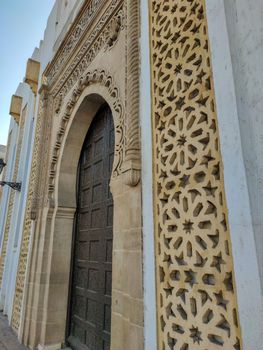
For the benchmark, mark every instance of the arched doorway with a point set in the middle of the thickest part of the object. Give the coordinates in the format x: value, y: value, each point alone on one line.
x: 91, y: 282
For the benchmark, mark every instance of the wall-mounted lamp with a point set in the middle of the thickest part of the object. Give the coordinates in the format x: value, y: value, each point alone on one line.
x: 2, y: 165
x: 14, y: 185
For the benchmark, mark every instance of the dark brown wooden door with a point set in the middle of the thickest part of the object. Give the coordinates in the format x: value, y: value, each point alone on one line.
x: 90, y: 307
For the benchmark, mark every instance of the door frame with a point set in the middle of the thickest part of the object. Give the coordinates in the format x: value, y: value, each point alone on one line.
x: 53, y: 234
x: 74, y: 231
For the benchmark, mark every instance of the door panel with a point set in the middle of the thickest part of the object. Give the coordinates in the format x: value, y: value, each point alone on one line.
x: 90, y: 307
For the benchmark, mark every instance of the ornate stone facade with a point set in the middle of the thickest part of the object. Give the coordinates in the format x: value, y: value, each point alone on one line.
x: 196, y: 295
x: 176, y: 282
x: 84, y: 71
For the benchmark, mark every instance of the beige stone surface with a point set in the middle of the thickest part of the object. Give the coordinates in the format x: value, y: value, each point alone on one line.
x: 32, y: 74
x: 196, y: 296
x: 15, y: 107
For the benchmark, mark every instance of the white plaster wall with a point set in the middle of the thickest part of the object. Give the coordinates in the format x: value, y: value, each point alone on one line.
x: 236, y: 177
x: 150, y: 332
x: 245, y: 28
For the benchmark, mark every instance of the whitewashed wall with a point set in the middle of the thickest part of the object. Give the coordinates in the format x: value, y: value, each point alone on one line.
x: 150, y: 321
x: 245, y: 27
x: 234, y: 32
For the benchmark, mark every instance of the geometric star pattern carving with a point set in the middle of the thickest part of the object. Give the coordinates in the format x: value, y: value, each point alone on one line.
x: 197, y: 308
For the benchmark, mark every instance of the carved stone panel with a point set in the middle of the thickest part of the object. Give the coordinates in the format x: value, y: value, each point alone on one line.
x: 196, y: 296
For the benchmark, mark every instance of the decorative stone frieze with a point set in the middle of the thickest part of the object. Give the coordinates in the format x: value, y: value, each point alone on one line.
x: 76, y: 57
x: 196, y: 296
x: 114, y: 29
x: 79, y: 29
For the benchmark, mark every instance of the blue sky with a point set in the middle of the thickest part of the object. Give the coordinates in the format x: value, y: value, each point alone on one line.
x: 22, y: 25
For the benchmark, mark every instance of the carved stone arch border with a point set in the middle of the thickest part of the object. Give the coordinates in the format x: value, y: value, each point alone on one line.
x: 55, y: 224
x: 98, y: 80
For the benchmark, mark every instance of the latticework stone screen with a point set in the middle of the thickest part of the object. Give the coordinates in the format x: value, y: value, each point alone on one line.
x: 195, y: 289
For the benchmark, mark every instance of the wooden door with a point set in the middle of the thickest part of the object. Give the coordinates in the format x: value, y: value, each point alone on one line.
x: 90, y: 306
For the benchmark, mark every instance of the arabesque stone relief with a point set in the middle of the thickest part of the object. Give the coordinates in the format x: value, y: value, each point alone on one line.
x: 196, y: 297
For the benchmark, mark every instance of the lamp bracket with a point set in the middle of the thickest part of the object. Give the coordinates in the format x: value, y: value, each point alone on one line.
x: 14, y: 185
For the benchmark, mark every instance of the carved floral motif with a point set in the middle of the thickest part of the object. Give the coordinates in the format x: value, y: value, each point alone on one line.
x: 114, y: 29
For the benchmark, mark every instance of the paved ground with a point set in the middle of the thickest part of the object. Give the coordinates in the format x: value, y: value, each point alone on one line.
x: 8, y: 339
